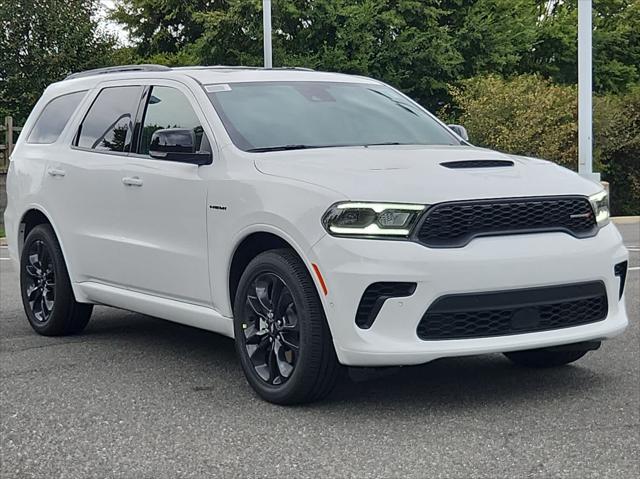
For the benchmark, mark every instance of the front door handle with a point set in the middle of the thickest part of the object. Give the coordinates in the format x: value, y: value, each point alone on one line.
x: 56, y: 172
x: 132, y: 181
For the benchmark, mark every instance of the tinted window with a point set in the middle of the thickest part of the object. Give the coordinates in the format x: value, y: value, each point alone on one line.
x: 169, y: 108
x: 54, y: 118
x: 272, y: 114
x: 108, y: 125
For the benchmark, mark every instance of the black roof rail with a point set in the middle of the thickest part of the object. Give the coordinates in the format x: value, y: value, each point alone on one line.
x: 303, y: 69
x: 119, y: 69
x: 238, y: 67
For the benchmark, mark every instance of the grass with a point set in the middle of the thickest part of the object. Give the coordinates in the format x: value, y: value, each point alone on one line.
x: 1, y: 231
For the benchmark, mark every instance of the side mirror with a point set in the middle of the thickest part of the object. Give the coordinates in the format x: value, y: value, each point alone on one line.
x: 177, y: 144
x: 461, y: 131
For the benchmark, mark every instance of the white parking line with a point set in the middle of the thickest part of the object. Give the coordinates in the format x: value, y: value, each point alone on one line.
x: 5, y: 259
x: 635, y: 268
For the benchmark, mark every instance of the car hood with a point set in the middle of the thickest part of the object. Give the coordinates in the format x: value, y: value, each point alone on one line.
x: 415, y: 174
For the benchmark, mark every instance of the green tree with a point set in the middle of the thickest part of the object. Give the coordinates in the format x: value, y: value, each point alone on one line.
x: 400, y: 41
x: 161, y: 27
x: 404, y: 42
x: 42, y: 41
x: 492, y: 36
x: 616, y: 44
x: 416, y: 44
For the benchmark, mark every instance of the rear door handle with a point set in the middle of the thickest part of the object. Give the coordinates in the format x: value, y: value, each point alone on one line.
x: 56, y: 172
x: 132, y: 181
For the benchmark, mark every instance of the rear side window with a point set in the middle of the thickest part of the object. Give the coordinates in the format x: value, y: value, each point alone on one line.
x: 108, y: 125
x: 54, y: 118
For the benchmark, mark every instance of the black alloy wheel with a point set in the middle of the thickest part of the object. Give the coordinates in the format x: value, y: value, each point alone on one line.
x: 271, y: 328
x: 40, y: 280
x: 281, y: 333
x: 47, y: 295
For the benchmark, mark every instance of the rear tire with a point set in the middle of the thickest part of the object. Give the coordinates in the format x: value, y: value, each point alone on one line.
x: 281, y: 333
x: 47, y: 297
x: 543, y: 358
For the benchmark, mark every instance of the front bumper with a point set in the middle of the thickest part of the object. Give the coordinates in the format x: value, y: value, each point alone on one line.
x: 486, y: 264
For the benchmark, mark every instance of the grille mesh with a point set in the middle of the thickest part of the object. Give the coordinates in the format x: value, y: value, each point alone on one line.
x: 515, y: 312
x: 455, y: 224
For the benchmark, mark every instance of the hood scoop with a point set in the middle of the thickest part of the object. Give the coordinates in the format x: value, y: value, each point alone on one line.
x: 477, y: 164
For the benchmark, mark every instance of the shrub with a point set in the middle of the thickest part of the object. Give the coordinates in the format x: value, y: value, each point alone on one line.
x: 617, y: 148
x: 528, y: 115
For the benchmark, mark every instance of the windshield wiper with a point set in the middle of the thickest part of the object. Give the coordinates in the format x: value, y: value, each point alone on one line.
x: 385, y: 143
x: 310, y: 147
x: 286, y: 148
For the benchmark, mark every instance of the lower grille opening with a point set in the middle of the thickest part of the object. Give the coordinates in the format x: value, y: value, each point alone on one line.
x: 482, y: 315
x: 374, y: 297
x: 620, y: 270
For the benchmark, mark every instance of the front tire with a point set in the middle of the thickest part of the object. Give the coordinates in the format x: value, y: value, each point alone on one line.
x: 47, y: 297
x: 281, y: 333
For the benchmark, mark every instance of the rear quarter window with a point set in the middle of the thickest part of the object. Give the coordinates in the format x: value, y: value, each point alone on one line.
x: 54, y: 118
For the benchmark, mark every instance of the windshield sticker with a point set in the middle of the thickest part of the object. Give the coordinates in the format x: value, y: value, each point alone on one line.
x: 217, y: 88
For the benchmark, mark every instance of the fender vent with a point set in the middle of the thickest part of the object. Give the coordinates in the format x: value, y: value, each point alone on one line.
x: 477, y: 164
x: 374, y: 297
x: 620, y: 270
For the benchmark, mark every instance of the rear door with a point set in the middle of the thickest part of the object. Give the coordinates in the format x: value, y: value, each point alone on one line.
x: 163, y: 220
x: 84, y: 185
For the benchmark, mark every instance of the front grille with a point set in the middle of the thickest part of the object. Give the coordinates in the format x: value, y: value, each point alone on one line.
x: 455, y: 224
x: 374, y: 297
x: 482, y: 315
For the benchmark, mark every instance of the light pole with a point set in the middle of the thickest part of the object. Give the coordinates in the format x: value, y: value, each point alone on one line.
x: 585, y: 91
x: 266, y: 27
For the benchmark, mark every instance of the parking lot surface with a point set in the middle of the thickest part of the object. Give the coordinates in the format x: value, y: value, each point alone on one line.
x: 138, y: 397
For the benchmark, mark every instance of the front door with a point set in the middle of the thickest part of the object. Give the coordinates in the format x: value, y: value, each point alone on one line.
x: 164, y: 220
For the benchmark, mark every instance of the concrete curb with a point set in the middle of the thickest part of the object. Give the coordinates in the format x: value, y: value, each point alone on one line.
x: 625, y: 219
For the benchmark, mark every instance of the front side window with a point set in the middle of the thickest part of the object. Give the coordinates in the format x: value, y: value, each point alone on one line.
x: 263, y: 116
x: 108, y: 125
x: 54, y: 118
x: 168, y: 108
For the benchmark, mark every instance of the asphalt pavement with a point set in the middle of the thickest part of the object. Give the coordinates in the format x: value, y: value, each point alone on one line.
x: 137, y: 397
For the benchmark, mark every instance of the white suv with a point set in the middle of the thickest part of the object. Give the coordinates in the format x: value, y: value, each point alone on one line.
x: 319, y: 219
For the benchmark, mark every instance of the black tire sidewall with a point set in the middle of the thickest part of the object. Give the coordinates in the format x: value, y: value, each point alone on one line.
x: 62, y: 291
x: 310, y: 313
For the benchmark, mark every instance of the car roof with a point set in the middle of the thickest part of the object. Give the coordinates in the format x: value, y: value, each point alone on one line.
x: 206, y: 75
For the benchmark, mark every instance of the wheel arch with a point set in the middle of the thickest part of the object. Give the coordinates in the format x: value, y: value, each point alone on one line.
x: 253, y: 243
x: 33, y: 216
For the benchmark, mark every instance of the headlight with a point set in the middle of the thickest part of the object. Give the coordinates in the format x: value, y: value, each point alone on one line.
x: 371, y: 219
x: 600, y: 204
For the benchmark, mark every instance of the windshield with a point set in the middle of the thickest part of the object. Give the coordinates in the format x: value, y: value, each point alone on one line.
x: 264, y: 116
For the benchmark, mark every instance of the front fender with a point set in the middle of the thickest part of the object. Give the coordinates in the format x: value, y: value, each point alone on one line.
x: 287, y: 209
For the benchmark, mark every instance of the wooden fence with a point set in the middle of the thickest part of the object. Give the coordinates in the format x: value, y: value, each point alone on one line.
x: 11, y: 133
